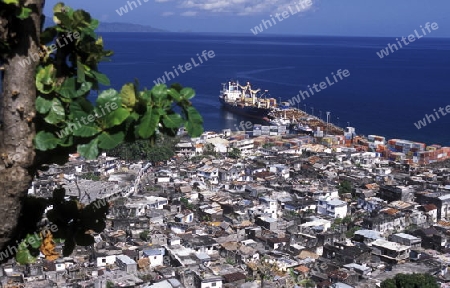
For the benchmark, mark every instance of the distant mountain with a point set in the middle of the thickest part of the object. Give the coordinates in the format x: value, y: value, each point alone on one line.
x: 117, y: 27
x: 126, y: 27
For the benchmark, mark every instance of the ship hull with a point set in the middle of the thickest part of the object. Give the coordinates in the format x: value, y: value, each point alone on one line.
x: 248, y: 111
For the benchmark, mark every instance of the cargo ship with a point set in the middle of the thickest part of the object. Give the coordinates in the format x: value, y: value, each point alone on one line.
x: 244, y: 100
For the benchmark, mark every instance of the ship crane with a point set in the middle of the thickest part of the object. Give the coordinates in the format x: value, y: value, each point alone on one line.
x: 249, y: 89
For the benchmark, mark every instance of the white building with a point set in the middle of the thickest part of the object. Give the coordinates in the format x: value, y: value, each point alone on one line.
x: 156, y: 202
x: 102, y: 261
x: 155, y: 256
x: 246, y: 146
x: 269, y: 206
x: 208, y: 173
x: 332, y: 207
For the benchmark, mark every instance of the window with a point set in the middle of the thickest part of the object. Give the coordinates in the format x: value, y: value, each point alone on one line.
x: 104, y: 260
x: 213, y: 284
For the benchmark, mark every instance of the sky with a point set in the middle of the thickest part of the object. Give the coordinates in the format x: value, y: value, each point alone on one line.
x: 375, y: 18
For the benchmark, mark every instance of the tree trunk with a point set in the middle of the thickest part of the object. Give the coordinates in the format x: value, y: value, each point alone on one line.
x: 17, y: 104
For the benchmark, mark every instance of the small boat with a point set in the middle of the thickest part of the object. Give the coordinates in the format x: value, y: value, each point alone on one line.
x: 303, y: 128
x: 280, y: 121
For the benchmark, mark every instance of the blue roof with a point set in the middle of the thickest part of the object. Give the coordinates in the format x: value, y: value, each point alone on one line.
x: 154, y: 251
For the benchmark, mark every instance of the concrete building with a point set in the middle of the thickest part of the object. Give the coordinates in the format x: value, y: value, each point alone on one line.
x: 332, y: 207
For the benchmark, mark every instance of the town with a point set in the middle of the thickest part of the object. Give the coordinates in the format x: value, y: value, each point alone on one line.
x: 275, y: 210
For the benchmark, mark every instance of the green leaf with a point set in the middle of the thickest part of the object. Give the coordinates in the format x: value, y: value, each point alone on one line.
x: 34, y: 240
x: 64, y: 19
x: 84, y: 88
x: 16, y: 2
x: 174, y: 94
x: 24, y: 13
x: 108, y: 141
x: 80, y: 72
x: 43, y: 105
x: 116, y: 117
x: 78, y: 109
x: 67, y: 141
x: 48, y: 35
x: 146, y: 96
x: 194, y: 129
x: 94, y: 24
x: 58, y: 7
x: 24, y: 256
x: 134, y: 116
x: 45, y: 79
x: 172, y: 120
x: 128, y: 95
x: 56, y: 113
x: 86, y: 131
x: 187, y: 93
x: 149, y: 123
x: 194, y: 125
x: 81, y: 18
x: 90, y: 150
x: 110, y: 96
x: 101, y: 78
x: 45, y: 141
x: 159, y: 92
x: 67, y: 89
x: 194, y: 116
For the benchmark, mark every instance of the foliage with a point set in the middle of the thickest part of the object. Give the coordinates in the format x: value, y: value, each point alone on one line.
x: 65, y: 78
x: 75, y: 224
x: 345, y: 187
x: 186, y: 204
x: 351, y: 232
x: 209, y: 149
x: 235, y: 153
x: 410, y: 281
x: 230, y: 261
x: 347, y: 219
x: 144, y: 235
x: 66, y: 120
x: 90, y: 176
x: 20, y: 12
x: 307, y: 283
x: 161, y: 150
x: 337, y: 221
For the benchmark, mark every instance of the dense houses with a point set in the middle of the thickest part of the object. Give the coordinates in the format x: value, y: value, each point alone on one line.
x: 289, y: 211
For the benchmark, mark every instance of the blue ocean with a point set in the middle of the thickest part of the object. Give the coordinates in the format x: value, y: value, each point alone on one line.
x: 382, y: 96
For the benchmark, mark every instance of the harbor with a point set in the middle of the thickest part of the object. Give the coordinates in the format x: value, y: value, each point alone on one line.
x: 281, y: 117
x: 299, y: 120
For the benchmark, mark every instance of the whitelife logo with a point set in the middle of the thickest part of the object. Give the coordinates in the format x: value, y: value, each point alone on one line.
x: 323, y: 85
x: 170, y: 75
x: 11, y: 250
x: 412, y: 37
x: 65, y: 39
x: 124, y: 9
x: 299, y: 7
x: 423, y: 122
x: 90, y: 118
